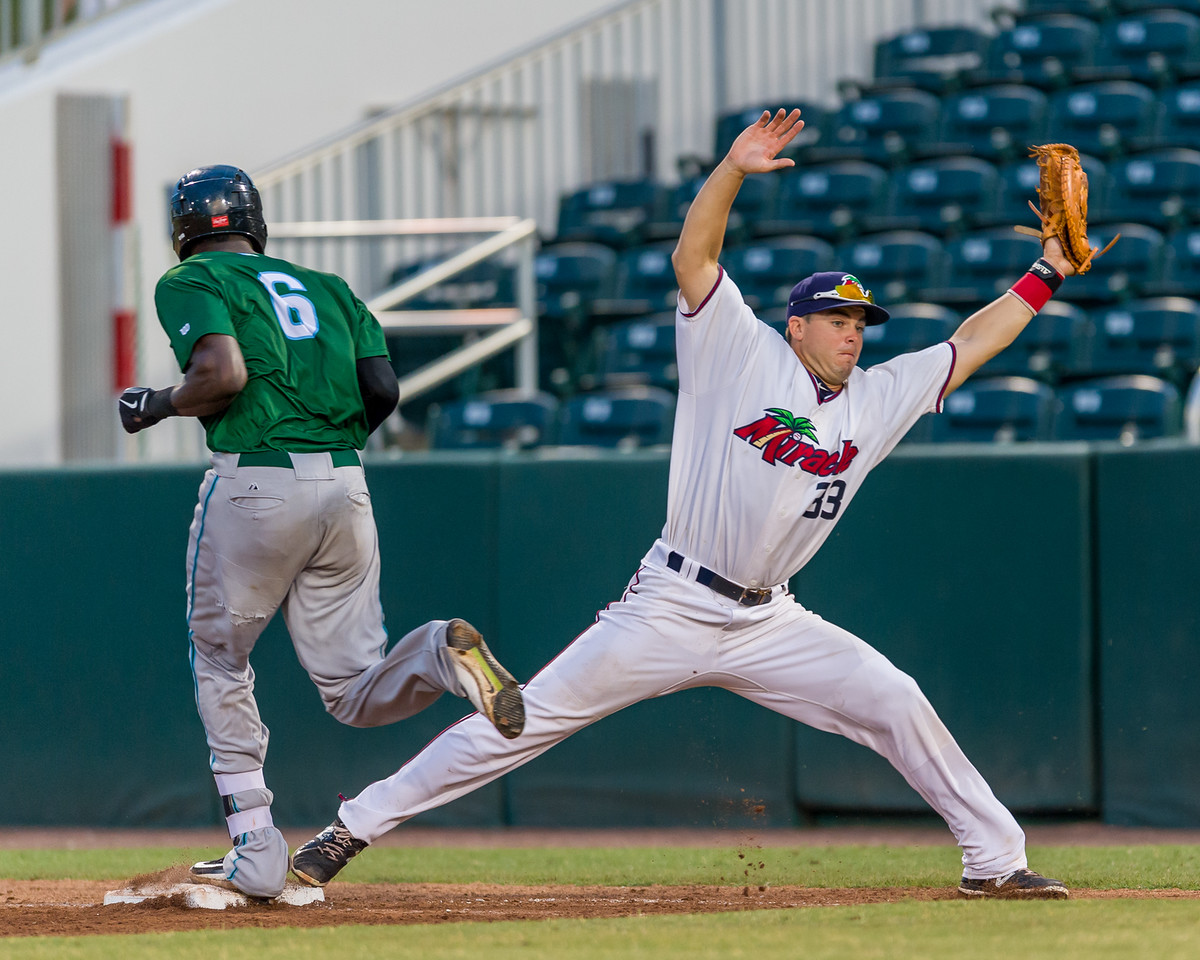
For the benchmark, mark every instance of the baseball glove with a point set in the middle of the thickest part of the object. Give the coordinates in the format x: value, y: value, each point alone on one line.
x: 1063, y: 194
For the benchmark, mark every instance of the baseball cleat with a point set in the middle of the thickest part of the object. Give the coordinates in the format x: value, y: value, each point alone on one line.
x: 1019, y: 885
x: 492, y: 690
x: 322, y: 858
x: 212, y: 872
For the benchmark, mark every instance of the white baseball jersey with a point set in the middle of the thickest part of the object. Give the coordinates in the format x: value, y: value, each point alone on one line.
x: 761, y: 467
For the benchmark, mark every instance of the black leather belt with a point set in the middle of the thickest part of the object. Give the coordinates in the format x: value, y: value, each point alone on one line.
x: 280, y: 458
x: 746, y: 596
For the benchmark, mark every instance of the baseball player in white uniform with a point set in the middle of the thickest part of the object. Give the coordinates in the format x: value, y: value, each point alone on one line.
x: 773, y: 438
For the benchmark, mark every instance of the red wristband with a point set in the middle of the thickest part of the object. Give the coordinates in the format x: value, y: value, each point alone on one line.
x: 1037, y: 286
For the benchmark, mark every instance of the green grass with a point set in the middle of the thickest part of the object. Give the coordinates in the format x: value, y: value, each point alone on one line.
x: 1094, y: 930
x: 943, y: 930
x: 844, y: 866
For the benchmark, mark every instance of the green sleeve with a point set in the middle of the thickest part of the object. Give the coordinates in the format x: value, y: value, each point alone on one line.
x: 369, y: 339
x: 189, y: 307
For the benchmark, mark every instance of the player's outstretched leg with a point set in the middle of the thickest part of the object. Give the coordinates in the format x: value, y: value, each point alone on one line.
x: 256, y: 866
x: 322, y: 858
x: 1019, y: 885
x: 491, y: 689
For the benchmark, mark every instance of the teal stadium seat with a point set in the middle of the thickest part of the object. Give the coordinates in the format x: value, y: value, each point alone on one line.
x: 766, y: 270
x: 500, y: 419
x: 1179, y: 125
x: 1160, y: 188
x: 1040, y: 52
x: 624, y: 419
x: 638, y: 352
x: 996, y: 410
x: 997, y: 123
x: 1181, y: 275
x: 1103, y: 119
x: 931, y: 58
x: 895, y: 265
x: 825, y: 200
x: 912, y: 326
x: 1125, y: 408
x: 1159, y: 336
x: 1054, y: 346
x: 1098, y: 10
x: 1155, y: 47
x: 612, y: 212
x: 942, y: 195
x: 1132, y: 268
x: 571, y: 275
x: 890, y: 126
x: 982, y: 264
x: 645, y: 283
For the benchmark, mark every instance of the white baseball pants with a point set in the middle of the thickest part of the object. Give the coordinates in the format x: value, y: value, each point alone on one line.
x: 668, y: 634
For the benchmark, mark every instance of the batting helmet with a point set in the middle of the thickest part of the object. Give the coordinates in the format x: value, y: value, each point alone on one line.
x: 215, y: 200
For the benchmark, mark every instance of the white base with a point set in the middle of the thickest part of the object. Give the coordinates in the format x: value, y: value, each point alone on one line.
x: 202, y: 896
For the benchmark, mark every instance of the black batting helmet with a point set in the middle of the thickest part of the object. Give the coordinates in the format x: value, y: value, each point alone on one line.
x: 215, y: 200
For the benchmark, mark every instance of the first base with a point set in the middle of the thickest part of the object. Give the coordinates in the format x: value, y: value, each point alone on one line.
x: 202, y: 896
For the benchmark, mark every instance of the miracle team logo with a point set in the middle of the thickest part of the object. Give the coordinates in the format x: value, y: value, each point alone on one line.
x: 782, y: 437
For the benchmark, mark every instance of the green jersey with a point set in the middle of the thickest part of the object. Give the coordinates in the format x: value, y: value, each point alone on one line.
x: 300, y: 332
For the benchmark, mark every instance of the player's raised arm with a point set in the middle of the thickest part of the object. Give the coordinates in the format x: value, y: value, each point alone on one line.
x: 989, y: 330
x: 755, y: 150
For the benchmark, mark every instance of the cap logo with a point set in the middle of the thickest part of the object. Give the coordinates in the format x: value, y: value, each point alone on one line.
x: 223, y: 221
x: 850, y: 288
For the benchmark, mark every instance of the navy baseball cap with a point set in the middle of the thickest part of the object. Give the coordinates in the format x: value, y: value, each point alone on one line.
x: 823, y: 291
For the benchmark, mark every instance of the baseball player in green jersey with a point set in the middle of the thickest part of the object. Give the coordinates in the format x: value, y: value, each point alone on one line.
x: 288, y: 372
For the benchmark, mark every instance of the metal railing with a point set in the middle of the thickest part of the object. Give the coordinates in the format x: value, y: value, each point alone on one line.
x: 507, y: 328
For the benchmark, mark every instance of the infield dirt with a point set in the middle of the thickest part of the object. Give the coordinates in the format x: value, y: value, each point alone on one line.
x: 75, y: 907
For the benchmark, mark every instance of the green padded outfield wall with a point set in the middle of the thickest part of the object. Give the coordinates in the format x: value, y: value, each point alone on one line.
x: 969, y: 568
x: 1148, y: 523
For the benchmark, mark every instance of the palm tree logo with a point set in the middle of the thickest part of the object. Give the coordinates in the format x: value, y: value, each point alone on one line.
x: 787, y: 424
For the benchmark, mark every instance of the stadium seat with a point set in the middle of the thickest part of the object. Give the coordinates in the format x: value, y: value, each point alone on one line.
x: 637, y: 352
x: 982, y: 264
x: 766, y: 270
x: 1103, y: 119
x: 1138, y: 6
x: 1160, y: 188
x: 1019, y: 184
x: 894, y: 265
x: 1132, y: 268
x: 1181, y: 274
x: 888, y: 126
x: 1040, y: 52
x: 508, y: 419
x: 997, y: 123
x: 624, y: 419
x: 1124, y: 408
x: 825, y: 200
x: 613, y: 213
x: 912, y: 326
x: 1179, y: 124
x: 815, y: 117
x: 1158, y: 336
x: 931, y: 58
x: 755, y: 199
x: 1153, y: 47
x: 941, y: 195
x: 1054, y: 346
x: 996, y: 410
x: 645, y: 284
x: 571, y: 275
